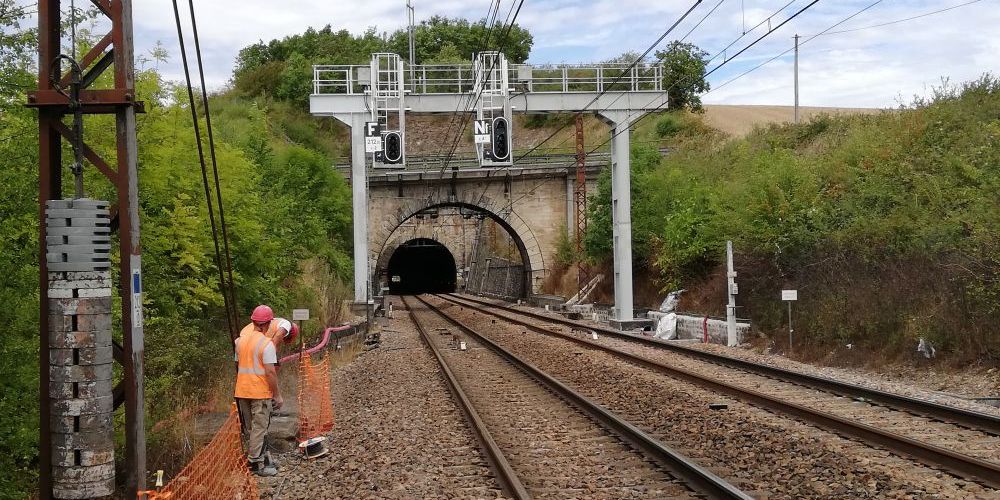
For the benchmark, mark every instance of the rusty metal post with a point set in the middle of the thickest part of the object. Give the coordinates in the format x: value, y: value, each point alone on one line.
x: 112, y: 50
x: 580, y: 197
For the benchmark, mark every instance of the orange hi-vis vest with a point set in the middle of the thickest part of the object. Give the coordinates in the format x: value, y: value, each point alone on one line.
x: 251, y: 380
x: 272, y: 329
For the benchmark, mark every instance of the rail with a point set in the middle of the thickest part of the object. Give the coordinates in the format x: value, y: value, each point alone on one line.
x: 697, y: 477
x: 506, y: 476
x: 461, y: 78
x: 972, y: 419
x: 972, y: 468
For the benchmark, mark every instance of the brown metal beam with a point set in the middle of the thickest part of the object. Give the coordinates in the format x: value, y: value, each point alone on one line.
x: 49, y: 187
x: 88, y: 153
x: 88, y: 59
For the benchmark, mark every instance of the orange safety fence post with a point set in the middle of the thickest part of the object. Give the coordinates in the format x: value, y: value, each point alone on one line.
x: 219, y: 470
x: 315, y: 403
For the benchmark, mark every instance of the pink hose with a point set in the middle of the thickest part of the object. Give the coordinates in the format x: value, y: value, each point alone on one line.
x: 320, y: 345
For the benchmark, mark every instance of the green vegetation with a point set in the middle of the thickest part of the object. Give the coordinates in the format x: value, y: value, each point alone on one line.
x: 888, y: 224
x: 283, y: 68
x: 286, y: 210
x: 683, y: 75
x: 287, y: 213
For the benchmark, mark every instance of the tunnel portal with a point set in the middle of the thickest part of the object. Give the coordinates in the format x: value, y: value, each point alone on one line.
x: 421, y: 265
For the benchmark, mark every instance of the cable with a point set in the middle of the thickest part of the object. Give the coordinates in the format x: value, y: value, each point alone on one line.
x: 616, y: 99
x: 644, y: 113
x: 204, y: 173
x: 464, y: 119
x: 851, y: 30
x: 807, y: 40
x: 489, y: 22
x: 622, y: 74
x: 215, y: 168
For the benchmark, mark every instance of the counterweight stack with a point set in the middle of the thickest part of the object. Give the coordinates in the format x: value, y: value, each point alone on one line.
x: 77, y: 254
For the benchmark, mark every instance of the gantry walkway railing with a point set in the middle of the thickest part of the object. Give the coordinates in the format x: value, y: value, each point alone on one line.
x: 460, y: 78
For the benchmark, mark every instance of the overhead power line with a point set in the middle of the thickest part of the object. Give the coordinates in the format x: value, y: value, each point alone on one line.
x: 644, y: 114
x: 897, y: 21
x: 807, y: 40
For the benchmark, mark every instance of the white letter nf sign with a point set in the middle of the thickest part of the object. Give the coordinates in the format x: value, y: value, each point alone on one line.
x: 481, y: 131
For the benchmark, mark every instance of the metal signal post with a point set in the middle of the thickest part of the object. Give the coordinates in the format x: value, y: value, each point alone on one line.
x: 115, y: 50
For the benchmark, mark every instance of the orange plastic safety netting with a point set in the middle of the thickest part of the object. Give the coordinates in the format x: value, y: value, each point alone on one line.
x: 315, y: 404
x: 219, y: 470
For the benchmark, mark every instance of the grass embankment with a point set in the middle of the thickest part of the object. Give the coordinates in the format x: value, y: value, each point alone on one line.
x: 888, y: 224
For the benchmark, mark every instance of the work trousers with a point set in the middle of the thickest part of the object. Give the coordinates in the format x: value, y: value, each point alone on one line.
x: 255, y: 418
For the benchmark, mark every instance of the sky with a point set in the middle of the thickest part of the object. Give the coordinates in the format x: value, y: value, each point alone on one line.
x: 876, y: 67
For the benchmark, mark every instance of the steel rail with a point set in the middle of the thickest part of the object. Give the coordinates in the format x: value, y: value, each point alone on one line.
x: 967, y: 418
x: 505, y: 473
x: 971, y: 468
x: 701, y: 480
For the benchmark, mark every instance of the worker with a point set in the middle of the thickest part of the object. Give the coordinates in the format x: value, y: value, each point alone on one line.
x: 280, y: 331
x: 257, y: 389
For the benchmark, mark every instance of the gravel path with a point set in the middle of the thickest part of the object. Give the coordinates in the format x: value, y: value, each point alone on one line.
x: 556, y: 451
x: 398, y: 433
x: 764, y: 454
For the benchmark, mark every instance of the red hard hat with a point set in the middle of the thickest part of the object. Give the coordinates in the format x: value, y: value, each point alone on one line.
x: 262, y: 314
x: 290, y: 337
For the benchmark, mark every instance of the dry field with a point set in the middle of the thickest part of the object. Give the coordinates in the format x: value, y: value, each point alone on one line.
x: 738, y: 120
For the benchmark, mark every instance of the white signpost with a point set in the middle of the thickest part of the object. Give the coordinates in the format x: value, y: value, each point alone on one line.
x: 482, y: 131
x: 300, y: 314
x: 373, y: 137
x: 790, y: 296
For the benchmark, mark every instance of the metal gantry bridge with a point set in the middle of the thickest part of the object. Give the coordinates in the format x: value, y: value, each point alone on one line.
x: 383, y: 92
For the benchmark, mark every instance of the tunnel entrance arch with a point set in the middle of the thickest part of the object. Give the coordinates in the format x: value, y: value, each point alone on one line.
x: 421, y: 265
x: 387, y: 237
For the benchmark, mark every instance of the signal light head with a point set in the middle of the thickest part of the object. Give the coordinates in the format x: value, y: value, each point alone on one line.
x: 500, y: 144
x: 392, y: 148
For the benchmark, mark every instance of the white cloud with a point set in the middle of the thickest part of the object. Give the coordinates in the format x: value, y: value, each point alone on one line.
x: 864, y: 68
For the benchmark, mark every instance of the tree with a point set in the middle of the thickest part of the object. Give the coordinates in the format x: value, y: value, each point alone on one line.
x: 684, y: 75
x: 434, y: 38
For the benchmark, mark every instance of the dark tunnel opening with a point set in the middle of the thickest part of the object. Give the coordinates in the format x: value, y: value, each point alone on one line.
x: 421, y: 266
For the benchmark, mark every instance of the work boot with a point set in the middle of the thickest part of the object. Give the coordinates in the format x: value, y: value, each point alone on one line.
x: 266, y: 471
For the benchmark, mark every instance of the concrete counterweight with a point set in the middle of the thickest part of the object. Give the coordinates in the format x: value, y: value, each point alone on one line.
x: 77, y: 253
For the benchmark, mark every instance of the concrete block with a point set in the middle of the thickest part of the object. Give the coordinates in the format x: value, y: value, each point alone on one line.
x: 631, y: 324
x: 82, y: 222
x: 83, y: 474
x: 97, y: 422
x: 66, y: 323
x: 65, y: 457
x: 94, y: 305
x: 90, y: 441
x: 78, y: 266
x: 73, y: 213
x: 82, y: 203
x: 76, y: 231
x: 78, y: 373
x: 87, y: 239
x: 61, y: 293
x: 76, y: 489
x: 80, y: 356
x: 78, y: 284
x: 76, y: 407
x: 85, y: 276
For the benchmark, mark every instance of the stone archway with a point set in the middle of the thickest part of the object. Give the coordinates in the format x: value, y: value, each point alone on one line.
x: 383, y: 237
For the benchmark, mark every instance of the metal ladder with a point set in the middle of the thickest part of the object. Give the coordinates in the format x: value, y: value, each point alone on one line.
x: 493, y: 88
x: 387, y: 96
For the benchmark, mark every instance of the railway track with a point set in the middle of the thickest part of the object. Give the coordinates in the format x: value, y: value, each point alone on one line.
x: 958, y: 441
x: 543, y: 439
